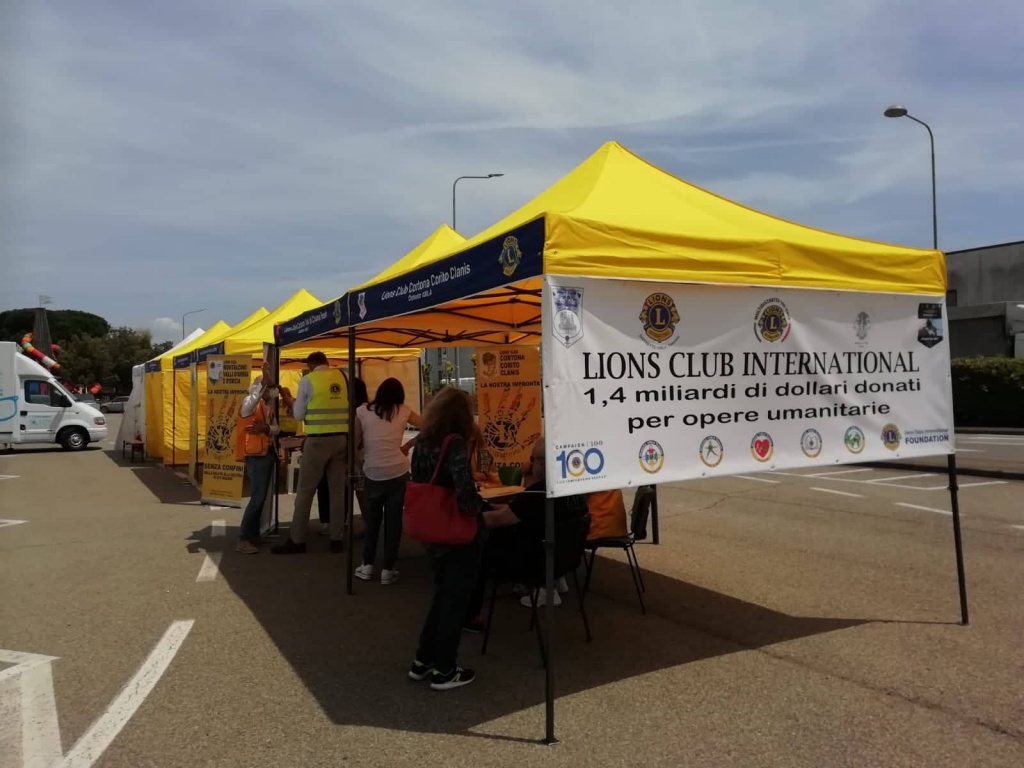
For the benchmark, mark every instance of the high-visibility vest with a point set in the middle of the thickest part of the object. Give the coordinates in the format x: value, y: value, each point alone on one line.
x: 248, y: 444
x: 327, y: 411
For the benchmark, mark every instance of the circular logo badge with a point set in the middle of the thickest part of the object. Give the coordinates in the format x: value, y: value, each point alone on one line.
x: 891, y: 436
x: 335, y: 389
x: 762, y: 446
x: 659, y: 317
x: 810, y: 443
x: 575, y: 464
x: 771, y: 322
x: 711, y: 451
x: 652, y: 457
x: 854, y: 439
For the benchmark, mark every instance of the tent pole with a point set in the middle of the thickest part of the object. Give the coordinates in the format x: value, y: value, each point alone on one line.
x: 276, y: 352
x: 655, y: 529
x: 174, y: 408
x: 351, y: 473
x: 549, y: 616
x: 954, y: 505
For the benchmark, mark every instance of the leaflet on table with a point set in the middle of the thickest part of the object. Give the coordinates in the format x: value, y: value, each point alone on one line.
x: 654, y: 382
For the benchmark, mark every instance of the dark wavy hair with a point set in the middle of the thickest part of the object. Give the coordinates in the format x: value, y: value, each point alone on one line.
x: 450, y: 412
x: 390, y: 397
x: 359, y: 390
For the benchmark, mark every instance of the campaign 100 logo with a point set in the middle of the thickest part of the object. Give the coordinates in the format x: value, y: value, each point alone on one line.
x: 578, y: 463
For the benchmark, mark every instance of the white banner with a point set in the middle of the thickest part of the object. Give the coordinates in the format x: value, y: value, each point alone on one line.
x: 658, y: 382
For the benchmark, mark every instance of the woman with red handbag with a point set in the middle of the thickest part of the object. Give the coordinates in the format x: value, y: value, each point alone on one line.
x: 444, y: 510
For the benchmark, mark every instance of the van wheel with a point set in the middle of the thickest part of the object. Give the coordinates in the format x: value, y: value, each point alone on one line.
x: 73, y: 439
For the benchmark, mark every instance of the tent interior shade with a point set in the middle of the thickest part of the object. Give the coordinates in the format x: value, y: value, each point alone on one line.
x: 616, y: 216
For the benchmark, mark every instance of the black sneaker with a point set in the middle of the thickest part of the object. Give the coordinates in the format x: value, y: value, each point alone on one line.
x: 474, y: 626
x: 420, y: 671
x: 288, y: 548
x: 457, y: 678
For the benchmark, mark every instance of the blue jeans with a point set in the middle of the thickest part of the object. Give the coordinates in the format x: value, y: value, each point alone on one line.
x: 260, y: 470
x: 385, y: 502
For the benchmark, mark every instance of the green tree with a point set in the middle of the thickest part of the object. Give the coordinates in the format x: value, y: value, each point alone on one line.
x: 65, y: 324
x: 108, y: 360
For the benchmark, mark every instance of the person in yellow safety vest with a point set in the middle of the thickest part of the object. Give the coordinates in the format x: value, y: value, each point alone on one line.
x: 322, y: 405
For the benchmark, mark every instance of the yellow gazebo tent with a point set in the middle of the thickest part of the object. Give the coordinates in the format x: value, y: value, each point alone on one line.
x: 158, y: 383
x: 177, y: 411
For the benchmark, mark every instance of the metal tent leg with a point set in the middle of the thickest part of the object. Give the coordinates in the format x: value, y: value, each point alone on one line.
x: 958, y: 543
x: 549, y: 623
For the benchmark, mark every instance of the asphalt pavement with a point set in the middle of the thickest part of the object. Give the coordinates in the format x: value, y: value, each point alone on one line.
x: 807, y: 618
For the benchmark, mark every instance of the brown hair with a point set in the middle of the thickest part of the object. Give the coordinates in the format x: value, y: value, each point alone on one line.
x: 449, y: 412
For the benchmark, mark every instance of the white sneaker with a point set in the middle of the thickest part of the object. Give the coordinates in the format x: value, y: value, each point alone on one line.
x: 541, y: 599
x: 561, y: 586
x: 364, y: 572
x: 388, y: 577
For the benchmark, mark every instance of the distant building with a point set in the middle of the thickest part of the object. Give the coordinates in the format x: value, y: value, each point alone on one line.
x: 985, y: 297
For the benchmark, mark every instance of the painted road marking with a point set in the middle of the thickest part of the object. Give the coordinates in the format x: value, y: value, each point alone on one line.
x: 7, y: 523
x: 838, y: 493
x: 218, y: 527
x: 32, y: 730
x: 103, y: 732
x: 840, y: 472
x: 9, y: 477
x: 923, y: 509
x: 978, y: 485
x: 209, y: 569
x: 970, y: 450
x: 757, y: 479
x: 915, y: 475
x: 1018, y: 527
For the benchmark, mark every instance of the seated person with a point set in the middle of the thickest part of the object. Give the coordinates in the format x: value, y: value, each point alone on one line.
x: 517, y: 534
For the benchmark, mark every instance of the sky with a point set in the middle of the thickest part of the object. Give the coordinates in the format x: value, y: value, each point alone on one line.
x: 162, y: 157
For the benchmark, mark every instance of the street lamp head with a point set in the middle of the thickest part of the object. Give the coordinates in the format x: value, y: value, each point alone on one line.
x: 896, y: 111
x: 494, y: 175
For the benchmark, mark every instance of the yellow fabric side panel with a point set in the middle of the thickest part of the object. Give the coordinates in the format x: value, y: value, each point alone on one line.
x: 154, y: 414
x: 176, y: 429
x: 203, y: 381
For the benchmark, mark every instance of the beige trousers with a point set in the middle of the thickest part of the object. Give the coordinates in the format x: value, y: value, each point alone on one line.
x: 321, y: 456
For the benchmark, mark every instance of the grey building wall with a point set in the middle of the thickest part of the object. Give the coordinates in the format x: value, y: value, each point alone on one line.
x: 986, y: 275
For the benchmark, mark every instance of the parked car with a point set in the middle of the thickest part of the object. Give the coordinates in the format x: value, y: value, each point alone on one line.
x: 88, y: 399
x: 114, y: 406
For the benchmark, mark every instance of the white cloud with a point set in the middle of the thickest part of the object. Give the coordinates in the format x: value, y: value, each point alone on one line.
x: 166, y: 329
x: 226, y: 155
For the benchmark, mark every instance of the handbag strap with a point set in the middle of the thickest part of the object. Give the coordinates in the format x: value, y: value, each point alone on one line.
x: 440, y: 458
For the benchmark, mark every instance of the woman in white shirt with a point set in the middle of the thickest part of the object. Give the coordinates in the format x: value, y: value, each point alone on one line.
x: 380, y: 429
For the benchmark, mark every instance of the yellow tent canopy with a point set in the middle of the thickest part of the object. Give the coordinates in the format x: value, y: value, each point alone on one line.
x: 616, y: 216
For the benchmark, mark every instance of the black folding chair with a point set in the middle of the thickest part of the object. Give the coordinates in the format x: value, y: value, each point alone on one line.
x: 570, y: 541
x: 641, y: 511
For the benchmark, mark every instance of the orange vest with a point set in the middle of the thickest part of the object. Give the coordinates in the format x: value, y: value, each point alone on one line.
x: 247, y: 443
x: 607, y: 515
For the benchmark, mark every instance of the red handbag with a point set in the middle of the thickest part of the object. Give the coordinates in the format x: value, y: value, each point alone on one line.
x: 432, y: 513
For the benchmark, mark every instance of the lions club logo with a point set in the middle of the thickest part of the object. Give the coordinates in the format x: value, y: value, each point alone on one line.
x: 361, y: 303
x: 711, y: 451
x: 891, y: 436
x: 337, y: 312
x: 568, y: 314
x: 853, y: 439
x: 810, y: 443
x: 659, y: 317
x: 652, y: 457
x: 861, y: 326
x: 510, y: 256
x: 762, y: 446
x: 335, y: 389
x: 772, y: 322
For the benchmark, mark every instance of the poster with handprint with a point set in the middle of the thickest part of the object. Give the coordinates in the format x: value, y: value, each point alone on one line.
x: 223, y: 472
x: 509, y: 399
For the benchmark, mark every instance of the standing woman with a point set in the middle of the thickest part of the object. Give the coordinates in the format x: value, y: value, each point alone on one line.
x: 323, y: 494
x: 380, y: 429
x: 455, y: 567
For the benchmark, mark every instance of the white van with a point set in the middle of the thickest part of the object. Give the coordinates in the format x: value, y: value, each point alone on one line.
x: 35, y: 408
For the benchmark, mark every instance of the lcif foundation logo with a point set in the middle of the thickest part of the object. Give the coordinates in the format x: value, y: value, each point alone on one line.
x: 891, y: 436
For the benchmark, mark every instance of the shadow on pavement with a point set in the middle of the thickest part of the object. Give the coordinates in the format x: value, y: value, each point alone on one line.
x: 353, y: 652
x: 164, y: 483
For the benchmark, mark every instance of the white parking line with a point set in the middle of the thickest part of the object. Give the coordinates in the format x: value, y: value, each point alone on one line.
x: 838, y: 493
x: 218, y: 527
x: 9, y: 477
x: 103, y: 732
x: 1018, y: 527
x: 210, y: 568
x: 923, y: 509
x: 840, y: 472
x: 970, y: 450
x: 758, y: 479
x: 978, y: 485
x: 7, y: 523
x: 991, y: 441
x: 915, y: 475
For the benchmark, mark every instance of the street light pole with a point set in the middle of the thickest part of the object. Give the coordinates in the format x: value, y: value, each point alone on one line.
x: 458, y: 356
x: 454, y: 183
x: 192, y: 312
x: 954, y: 502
